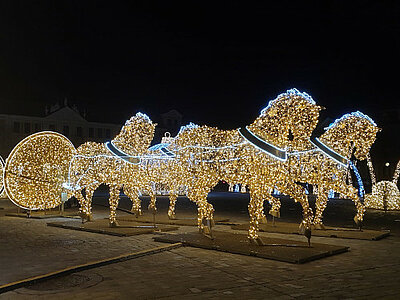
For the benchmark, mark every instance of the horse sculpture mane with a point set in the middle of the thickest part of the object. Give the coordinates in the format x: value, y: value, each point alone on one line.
x: 288, y: 121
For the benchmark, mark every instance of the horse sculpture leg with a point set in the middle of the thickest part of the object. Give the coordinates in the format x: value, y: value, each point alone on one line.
x: 114, y: 199
x: 254, y: 213
x: 320, y: 205
x: 205, y: 215
x: 351, y: 192
x: 89, y: 197
x: 297, y: 192
x: 172, y: 201
x: 133, y: 194
x: 152, y: 205
x: 82, y: 203
x: 275, y: 206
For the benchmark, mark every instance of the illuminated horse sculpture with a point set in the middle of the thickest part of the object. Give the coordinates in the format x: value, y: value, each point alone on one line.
x: 327, y: 164
x: 385, y: 194
x: 164, y: 169
x: 116, y: 164
x: 253, y: 156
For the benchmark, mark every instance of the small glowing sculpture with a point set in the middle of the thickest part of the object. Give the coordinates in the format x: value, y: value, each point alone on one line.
x: 36, y: 169
x: 385, y: 194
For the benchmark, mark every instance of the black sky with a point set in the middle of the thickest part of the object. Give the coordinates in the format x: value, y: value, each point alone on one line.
x: 217, y: 62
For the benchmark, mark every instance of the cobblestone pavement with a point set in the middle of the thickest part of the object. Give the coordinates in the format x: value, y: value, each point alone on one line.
x: 29, y: 248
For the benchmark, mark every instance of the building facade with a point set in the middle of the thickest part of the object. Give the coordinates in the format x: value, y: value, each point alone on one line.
x: 69, y: 122
x: 65, y: 120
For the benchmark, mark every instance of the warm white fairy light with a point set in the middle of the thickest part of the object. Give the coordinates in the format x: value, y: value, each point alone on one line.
x: 385, y: 194
x: 207, y: 155
x: 36, y: 169
x: 274, y: 152
x: 354, y: 132
x: 371, y: 169
x: 116, y: 164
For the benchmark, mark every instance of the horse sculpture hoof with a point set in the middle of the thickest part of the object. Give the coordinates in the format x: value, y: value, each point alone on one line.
x: 358, y: 222
x: 113, y: 224
x: 137, y: 212
x: 172, y: 217
x: 85, y: 217
x: 152, y: 209
x: 275, y: 213
x: 258, y: 241
x: 319, y: 226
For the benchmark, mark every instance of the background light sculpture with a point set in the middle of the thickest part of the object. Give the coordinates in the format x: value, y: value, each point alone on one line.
x: 385, y: 194
x: 36, y: 170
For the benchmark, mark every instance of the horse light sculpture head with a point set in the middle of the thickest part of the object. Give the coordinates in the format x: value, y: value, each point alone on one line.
x: 136, y: 135
x: 352, y: 133
x: 288, y: 121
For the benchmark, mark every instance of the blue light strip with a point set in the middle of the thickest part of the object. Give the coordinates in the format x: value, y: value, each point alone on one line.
x: 361, y: 191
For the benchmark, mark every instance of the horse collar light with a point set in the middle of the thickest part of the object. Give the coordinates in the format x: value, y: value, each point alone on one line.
x: 328, y: 151
x: 115, y: 151
x: 262, y: 145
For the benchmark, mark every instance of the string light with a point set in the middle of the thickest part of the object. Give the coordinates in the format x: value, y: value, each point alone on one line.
x: 36, y: 169
x: 385, y: 194
x: 116, y: 164
x: 273, y: 153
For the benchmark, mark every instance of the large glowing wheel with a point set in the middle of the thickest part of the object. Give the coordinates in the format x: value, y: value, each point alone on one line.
x: 36, y: 169
x: 1, y: 175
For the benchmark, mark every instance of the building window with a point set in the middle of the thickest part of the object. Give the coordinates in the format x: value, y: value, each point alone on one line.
x: 91, y: 132
x: 38, y: 127
x: 66, y: 130
x: 79, y: 131
x: 16, y: 127
x: 27, y: 127
x: 100, y: 132
x: 108, y: 134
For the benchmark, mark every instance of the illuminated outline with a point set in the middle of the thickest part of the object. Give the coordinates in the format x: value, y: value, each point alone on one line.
x: 8, y: 193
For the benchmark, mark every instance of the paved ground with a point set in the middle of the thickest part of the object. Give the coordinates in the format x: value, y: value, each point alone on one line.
x: 29, y: 248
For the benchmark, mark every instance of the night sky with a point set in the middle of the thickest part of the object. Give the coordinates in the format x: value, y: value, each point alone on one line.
x: 217, y: 62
